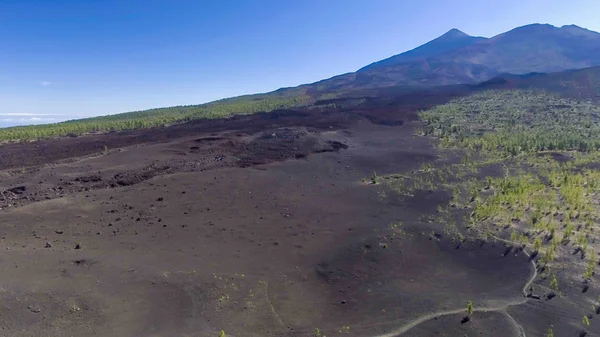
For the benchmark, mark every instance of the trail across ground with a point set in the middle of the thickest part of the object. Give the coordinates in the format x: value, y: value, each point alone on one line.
x: 502, y: 309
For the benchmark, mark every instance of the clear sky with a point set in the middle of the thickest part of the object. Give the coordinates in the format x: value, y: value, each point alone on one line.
x: 62, y: 59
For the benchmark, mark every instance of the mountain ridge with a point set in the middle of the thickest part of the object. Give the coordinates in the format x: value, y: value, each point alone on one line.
x: 458, y: 58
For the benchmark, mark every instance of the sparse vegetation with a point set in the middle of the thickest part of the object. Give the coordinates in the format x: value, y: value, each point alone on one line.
x: 586, y: 321
x: 591, y: 267
x: 515, y: 122
x: 469, y: 308
x: 554, y: 283
x: 345, y: 329
x: 520, y: 166
x: 545, y: 146
x: 374, y: 178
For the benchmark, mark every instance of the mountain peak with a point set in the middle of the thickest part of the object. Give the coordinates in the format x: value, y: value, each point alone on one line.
x: 533, y: 28
x: 575, y: 30
x: 539, y: 32
x: 455, y: 33
x: 453, y: 39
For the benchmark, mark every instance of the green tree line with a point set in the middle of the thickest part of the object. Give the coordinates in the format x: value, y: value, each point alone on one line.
x: 162, y: 116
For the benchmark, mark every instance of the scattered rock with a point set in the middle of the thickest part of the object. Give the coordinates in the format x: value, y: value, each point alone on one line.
x: 83, y: 262
x: 48, y: 245
x: 533, y: 255
x: 77, y: 246
x: 89, y: 179
x: 34, y: 309
x: 58, y: 231
x: 17, y: 190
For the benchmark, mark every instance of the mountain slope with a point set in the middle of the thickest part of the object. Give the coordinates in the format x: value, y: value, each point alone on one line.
x: 456, y: 58
x: 580, y: 83
x: 452, y: 40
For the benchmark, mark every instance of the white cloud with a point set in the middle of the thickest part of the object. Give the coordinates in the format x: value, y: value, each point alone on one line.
x: 5, y: 122
x: 45, y: 83
x: 26, y: 118
x: 22, y: 114
x: 23, y: 120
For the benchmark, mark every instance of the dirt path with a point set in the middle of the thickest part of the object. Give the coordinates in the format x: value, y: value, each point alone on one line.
x: 501, y: 309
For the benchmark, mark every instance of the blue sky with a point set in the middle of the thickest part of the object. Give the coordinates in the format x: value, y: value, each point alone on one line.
x: 62, y: 59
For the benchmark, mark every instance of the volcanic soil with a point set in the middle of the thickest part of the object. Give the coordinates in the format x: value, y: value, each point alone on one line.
x: 262, y: 225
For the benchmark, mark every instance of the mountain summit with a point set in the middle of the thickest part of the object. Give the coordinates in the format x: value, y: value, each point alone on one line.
x: 454, y: 33
x: 452, y: 40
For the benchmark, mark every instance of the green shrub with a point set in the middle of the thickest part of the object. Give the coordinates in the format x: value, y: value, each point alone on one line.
x: 469, y: 308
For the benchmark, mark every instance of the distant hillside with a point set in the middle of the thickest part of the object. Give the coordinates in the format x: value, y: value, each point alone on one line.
x: 282, y: 99
x: 581, y: 83
x: 249, y: 104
